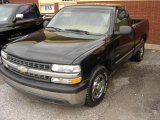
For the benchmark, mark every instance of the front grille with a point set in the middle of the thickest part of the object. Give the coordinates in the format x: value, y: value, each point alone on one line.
x: 30, y: 64
x: 31, y: 75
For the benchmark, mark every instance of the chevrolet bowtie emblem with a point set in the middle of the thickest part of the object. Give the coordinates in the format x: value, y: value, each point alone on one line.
x: 22, y: 69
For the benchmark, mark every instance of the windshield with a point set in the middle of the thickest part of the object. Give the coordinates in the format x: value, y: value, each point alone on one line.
x: 91, y: 20
x: 5, y: 13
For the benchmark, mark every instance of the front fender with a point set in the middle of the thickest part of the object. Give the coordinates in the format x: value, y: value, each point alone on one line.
x: 89, y: 60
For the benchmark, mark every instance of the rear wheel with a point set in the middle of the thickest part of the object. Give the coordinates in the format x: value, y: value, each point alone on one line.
x: 140, y: 53
x: 97, y: 86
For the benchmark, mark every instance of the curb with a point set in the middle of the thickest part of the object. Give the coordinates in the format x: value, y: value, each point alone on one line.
x: 152, y: 46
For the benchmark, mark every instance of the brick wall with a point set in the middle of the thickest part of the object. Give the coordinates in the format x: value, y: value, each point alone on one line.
x: 138, y: 9
x: 147, y: 10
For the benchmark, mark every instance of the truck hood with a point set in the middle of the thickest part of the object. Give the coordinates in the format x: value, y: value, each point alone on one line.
x: 53, y: 47
x: 4, y: 27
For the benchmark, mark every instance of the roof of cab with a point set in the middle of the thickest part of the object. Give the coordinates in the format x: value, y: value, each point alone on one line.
x: 100, y: 4
x: 19, y: 4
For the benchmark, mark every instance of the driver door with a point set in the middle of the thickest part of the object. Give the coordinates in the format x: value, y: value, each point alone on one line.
x: 124, y: 44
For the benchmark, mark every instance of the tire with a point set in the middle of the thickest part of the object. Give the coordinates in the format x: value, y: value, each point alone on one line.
x: 97, y: 86
x: 140, y: 53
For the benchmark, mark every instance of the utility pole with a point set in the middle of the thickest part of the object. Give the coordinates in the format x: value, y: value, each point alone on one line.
x: 2, y: 1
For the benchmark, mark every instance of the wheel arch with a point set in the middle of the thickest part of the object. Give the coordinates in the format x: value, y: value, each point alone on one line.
x: 144, y: 37
x: 88, y: 66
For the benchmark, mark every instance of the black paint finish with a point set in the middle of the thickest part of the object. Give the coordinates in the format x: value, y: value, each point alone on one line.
x: 88, y: 51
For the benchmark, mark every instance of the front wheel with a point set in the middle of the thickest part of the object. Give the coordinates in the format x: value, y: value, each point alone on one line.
x: 97, y: 86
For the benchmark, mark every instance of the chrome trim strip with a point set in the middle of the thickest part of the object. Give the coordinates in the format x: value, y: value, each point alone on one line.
x: 138, y: 45
x: 118, y: 61
x: 41, y: 72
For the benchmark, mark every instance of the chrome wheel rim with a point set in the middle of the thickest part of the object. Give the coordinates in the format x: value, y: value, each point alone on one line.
x: 98, y: 87
x: 141, y: 52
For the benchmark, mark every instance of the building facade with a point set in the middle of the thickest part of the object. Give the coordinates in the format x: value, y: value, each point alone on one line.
x: 140, y: 9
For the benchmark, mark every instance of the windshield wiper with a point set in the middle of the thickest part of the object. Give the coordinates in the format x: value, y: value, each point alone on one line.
x: 56, y: 29
x: 72, y: 30
x: 80, y: 31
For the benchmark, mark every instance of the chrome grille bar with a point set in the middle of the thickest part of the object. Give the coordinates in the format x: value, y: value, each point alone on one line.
x: 31, y: 75
x: 42, y: 72
x: 27, y: 63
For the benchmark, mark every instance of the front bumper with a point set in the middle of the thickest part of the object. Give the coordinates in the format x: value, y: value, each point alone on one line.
x: 75, y: 96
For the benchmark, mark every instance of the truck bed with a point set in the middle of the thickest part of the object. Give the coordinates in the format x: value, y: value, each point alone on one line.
x: 141, y: 27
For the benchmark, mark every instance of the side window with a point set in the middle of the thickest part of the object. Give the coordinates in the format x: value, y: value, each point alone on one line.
x: 29, y: 11
x: 122, y: 19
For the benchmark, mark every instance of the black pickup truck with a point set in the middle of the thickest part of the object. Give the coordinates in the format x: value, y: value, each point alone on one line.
x: 17, y: 20
x: 71, y: 60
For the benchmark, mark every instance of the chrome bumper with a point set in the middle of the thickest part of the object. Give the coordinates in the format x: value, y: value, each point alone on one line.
x: 59, y: 98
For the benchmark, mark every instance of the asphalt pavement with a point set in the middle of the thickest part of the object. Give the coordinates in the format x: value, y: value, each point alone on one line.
x: 133, y: 94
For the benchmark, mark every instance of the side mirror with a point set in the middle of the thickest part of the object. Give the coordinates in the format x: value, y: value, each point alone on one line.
x: 45, y: 23
x: 125, y: 30
x: 46, y: 17
x: 18, y: 17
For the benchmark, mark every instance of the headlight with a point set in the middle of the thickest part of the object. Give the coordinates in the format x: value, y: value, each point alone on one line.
x: 4, y: 54
x: 66, y: 68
